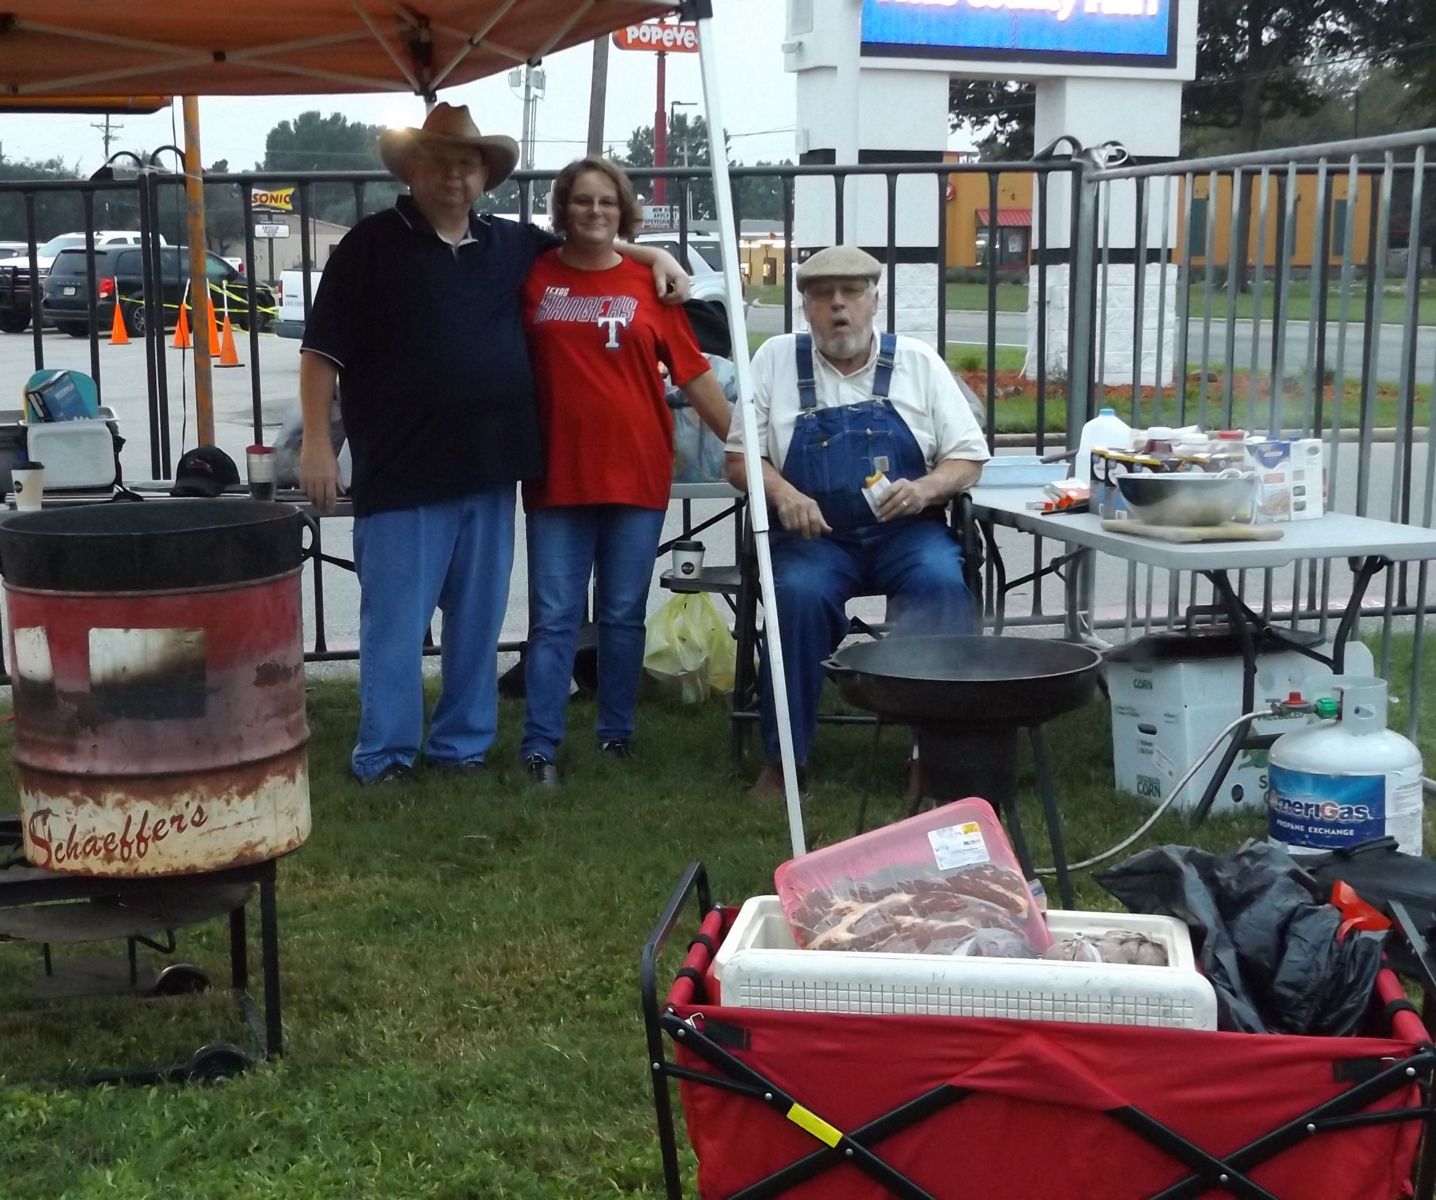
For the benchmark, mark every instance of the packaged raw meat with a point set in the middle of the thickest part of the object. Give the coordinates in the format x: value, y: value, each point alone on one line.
x: 943, y: 882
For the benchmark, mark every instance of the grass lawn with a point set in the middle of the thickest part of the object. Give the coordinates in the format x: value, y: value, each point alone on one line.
x: 1017, y: 396
x: 1012, y: 297
x: 460, y: 973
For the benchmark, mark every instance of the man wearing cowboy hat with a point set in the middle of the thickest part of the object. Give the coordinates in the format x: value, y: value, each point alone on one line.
x: 838, y: 410
x: 417, y: 318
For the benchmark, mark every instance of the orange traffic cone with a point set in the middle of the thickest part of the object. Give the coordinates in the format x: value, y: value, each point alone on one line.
x: 213, y: 330
x: 182, y: 339
x: 228, y: 356
x: 118, y: 334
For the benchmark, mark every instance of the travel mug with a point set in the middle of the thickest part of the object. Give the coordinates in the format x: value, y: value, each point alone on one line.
x: 687, y: 559
x: 28, y: 483
x: 260, y: 461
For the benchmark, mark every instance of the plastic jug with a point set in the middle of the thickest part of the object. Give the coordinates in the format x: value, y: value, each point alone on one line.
x: 1105, y: 431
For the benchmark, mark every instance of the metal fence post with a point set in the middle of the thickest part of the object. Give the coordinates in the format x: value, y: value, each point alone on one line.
x: 1081, y: 296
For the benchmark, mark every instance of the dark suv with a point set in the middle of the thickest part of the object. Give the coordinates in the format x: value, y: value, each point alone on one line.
x: 119, y: 278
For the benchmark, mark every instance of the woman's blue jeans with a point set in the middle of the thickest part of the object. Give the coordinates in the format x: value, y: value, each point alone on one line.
x: 615, y: 545
x: 455, y: 555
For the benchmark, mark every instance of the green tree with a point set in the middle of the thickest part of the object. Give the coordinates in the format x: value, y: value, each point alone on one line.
x: 223, y: 213
x: 55, y: 212
x: 758, y: 198
x: 1254, y: 66
x: 313, y: 142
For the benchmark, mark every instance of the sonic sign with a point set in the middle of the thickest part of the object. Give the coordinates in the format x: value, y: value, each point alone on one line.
x: 1117, y: 32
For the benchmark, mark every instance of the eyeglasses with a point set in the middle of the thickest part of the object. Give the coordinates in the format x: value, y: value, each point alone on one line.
x: 606, y: 203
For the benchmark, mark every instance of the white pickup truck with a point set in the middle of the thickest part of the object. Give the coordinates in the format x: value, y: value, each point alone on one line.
x: 291, y: 302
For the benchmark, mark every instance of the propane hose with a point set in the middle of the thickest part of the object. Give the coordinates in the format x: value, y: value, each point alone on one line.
x: 1165, y: 804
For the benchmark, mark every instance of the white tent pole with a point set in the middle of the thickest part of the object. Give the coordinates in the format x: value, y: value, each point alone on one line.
x: 752, y: 452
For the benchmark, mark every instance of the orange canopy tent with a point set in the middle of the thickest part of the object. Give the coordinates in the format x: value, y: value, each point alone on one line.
x: 58, y: 48
x: 279, y: 47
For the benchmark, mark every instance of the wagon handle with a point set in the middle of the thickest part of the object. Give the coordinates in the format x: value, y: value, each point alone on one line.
x: 694, y: 878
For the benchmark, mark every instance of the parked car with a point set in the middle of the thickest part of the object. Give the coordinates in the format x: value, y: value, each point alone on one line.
x: 703, y: 261
x: 119, y: 278
x: 15, y: 283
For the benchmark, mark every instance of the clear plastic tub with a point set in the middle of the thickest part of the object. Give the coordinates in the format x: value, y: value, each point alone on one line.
x: 928, y: 885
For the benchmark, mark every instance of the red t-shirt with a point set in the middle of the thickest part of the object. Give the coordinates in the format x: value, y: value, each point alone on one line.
x: 595, y: 339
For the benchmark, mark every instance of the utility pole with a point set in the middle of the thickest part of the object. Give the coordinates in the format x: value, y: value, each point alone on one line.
x: 526, y: 147
x: 109, y: 132
x: 597, y: 97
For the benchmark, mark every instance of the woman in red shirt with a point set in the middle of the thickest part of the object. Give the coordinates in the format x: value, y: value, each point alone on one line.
x: 596, y: 335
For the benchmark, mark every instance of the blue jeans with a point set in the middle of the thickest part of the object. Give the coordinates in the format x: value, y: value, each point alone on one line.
x: 456, y: 556
x: 616, y: 545
x: 915, y: 563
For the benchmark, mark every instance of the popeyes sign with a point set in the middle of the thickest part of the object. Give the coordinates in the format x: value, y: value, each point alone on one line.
x: 682, y: 39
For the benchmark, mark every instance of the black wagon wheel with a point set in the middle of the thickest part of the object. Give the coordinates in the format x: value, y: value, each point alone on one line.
x: 216, y: 1063
x: 181, y: 979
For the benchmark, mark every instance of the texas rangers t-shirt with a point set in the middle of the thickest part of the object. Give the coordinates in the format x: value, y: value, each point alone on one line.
x: 596, y: 339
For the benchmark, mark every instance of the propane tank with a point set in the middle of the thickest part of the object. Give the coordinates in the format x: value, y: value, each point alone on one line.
x: 1335, y: 785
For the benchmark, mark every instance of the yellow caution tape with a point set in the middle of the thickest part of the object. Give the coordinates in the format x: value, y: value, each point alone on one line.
x: 241, y: 302
x: 812, y: 1123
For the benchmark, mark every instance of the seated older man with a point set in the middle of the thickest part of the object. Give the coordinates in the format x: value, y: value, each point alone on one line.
x: 834, y: 408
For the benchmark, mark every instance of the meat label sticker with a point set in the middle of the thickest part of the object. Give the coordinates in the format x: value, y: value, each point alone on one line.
x: 958, y: 846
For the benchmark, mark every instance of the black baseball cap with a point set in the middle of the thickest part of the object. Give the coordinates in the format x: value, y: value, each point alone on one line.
x: 204, y: 471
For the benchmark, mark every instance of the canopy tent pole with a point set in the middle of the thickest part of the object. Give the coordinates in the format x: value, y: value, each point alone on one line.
x: 199, y: 282
x: 752, y: 452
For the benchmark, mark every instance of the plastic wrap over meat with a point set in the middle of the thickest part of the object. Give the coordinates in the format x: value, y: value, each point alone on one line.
x: 1117, y: 946
x: 945, y: 882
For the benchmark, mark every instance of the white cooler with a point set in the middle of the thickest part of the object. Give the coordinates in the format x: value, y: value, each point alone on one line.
x: 760, y: 966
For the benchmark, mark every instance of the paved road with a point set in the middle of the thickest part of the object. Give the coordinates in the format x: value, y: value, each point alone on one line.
x: 968, y: 327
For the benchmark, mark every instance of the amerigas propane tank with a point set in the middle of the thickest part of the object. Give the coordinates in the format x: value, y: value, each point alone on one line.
x: 1335, y: 785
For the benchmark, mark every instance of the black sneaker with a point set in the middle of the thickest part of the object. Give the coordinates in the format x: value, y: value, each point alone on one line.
x: 541, y: 771
x: 620, y: 749
x: 395, y: 772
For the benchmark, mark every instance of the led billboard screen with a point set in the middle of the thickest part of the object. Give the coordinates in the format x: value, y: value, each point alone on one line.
x: 1119, y: 32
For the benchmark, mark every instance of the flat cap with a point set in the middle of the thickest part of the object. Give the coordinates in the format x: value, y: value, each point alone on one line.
x: 839, y: 262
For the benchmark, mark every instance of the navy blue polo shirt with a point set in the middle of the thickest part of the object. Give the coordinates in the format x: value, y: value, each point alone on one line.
x: 434, y: 378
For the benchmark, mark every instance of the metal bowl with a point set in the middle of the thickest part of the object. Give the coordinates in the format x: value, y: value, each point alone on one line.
x: 1188, y: 498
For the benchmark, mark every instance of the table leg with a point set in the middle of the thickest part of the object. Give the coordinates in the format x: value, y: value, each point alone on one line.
x: 1222, y: 584
x: 1367, y: 570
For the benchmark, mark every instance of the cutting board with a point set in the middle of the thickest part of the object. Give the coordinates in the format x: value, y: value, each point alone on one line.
x: 1230, y: 532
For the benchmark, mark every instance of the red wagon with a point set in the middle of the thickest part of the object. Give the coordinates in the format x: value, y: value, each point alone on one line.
x: 856, y: 1107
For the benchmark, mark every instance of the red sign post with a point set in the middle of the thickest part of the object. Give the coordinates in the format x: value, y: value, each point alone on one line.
x: 661, y: 39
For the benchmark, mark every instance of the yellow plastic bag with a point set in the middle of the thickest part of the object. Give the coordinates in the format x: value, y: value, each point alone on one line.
x: 689, y: 649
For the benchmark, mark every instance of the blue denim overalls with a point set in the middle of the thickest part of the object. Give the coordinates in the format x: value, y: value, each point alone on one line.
x: 834, y: 450
x: 911, y: 560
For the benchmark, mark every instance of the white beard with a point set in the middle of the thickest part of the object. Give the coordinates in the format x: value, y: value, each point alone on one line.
x: 847, y: 344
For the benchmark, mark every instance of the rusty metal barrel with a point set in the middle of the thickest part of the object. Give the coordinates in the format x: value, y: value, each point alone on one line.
x: 156, y: 656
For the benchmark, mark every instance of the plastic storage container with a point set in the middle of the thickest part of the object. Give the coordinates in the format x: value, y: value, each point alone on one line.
x: 1105, y: 431
x: 921, y: 886
x: 760, y: 966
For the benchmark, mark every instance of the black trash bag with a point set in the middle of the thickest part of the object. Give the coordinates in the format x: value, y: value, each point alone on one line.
x: 1262, y: 934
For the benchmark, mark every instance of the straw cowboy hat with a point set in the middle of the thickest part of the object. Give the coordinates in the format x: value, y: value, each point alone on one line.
x: 449, y: 125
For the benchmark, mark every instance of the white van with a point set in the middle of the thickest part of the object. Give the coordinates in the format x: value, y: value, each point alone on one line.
x: 291, y: 302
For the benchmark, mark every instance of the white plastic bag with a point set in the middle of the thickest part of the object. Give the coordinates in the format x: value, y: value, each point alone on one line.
x: 689, y: 649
